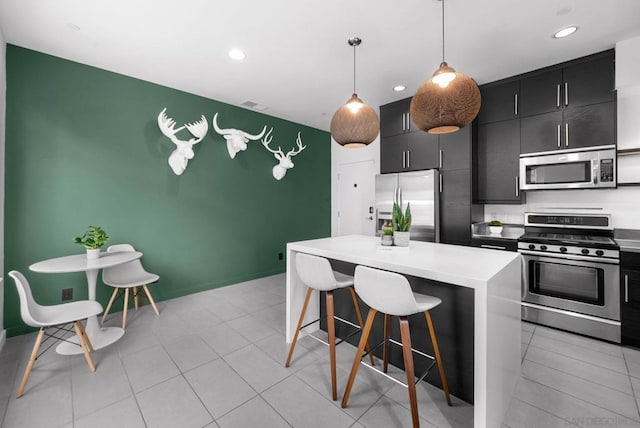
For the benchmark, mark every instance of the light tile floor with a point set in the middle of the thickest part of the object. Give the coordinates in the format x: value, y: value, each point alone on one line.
x: 216, y: 359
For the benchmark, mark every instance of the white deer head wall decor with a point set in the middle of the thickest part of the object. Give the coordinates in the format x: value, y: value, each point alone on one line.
x: 184, y: 149
x: 236, y: 139
x: 285, y: 162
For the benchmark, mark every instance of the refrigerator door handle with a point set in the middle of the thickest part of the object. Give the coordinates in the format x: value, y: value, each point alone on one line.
x: 440, y: 183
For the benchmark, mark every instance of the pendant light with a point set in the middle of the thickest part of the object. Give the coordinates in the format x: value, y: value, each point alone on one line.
x: 355, y: 124
x: 446, y: 102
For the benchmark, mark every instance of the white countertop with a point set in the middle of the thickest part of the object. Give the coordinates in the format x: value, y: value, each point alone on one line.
x: 465, y: 266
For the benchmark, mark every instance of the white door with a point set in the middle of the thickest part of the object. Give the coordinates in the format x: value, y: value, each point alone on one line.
x: 356, y: 198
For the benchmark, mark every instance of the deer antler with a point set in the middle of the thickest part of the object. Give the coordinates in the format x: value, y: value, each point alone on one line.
x: 267, y: 140
x: 198, y: 129
x: 300, y: 148
x: 166, y: 125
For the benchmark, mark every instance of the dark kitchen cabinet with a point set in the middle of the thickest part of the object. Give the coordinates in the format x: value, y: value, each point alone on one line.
x: 497, y: 162
x: 630, y: 298
x: 588, y: 80
x: 414, y: 151
x: 455, y: 150
x: 455, y: 207
x: 499, y: 102
x: 395, y: 118
x: 541, y: 133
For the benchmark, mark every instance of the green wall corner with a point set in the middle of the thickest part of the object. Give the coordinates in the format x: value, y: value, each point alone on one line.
x: 83, y: 148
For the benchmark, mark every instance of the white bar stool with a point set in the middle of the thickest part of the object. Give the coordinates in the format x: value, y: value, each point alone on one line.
x: 391, y: 294
x: 317, y: 274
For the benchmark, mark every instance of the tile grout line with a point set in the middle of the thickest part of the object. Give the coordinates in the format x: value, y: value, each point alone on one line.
x: 547, y: 412
x: 632, y: 388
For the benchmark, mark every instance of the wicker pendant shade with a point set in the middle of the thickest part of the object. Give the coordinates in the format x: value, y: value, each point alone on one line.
x: 446, y: 102
x: 355, y: 124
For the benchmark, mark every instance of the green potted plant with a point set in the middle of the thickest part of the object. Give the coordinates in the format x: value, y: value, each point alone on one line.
x: 401, y: 225
x: 93, y: 239
x: 387, y: 236
x: 495, y: 226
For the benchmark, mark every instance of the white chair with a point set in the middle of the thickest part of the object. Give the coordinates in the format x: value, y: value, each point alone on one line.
x: 317, y: 274
x: 56, y: 316
x: 128, y: 278
x: 391, y: 294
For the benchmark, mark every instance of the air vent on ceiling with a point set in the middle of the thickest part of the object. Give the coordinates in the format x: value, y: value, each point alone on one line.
x: 255, y: 106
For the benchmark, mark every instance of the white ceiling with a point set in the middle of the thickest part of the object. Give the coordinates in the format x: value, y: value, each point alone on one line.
x: 298, y: 62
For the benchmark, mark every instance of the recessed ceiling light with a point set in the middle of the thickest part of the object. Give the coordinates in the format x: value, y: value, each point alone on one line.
x: 399, y: 88
x: 565, y: 32
x: 237, y: 54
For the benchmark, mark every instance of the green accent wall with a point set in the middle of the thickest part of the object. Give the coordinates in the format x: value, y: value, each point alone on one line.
x: 83, y: 148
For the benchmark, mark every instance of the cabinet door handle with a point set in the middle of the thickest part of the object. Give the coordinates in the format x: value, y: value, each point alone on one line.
x: 558, y: 95
x: 566, y: 134
x: 493, y: 247
x: 559, y: 133
x: 566, y: 93
x: 517, y: 186
x: 515, y: 104
x: 440, y: 159
x: 441, y: 184
x: 626, y: 288
x: 408, y: 158
x: 404, y: 162
x: 403, y: 122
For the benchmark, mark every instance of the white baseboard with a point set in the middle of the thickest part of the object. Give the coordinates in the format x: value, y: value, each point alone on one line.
x: 3, y: 337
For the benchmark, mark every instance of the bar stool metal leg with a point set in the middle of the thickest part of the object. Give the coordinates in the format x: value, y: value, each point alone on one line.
x: 436, y: 350
x: 385, y: 348
x: 408, y: 368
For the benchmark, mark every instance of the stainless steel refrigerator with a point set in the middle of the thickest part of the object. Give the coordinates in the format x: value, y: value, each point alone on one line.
x: 417, y: 188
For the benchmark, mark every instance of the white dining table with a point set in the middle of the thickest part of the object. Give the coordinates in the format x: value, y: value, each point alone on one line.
x: 100, y: 337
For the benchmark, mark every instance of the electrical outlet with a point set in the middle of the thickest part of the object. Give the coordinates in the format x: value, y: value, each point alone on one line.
x: 67, y: 294
x: 279, y: 256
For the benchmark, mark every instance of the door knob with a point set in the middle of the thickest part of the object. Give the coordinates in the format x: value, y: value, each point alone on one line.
x: 370, y: 217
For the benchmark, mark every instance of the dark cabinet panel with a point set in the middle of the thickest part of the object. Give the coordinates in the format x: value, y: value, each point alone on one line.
x: 499, y: 102
x: 589, y: 82
x: 498, y: 157
x: 455, y: 149
x: 392, y: 152
x: 422, y: 151
x: 541, y: 133
x: 592, y: 125
x: 394, y: 118
x: 455, y: 207
x: 541, y: 93
x: 630, y: 298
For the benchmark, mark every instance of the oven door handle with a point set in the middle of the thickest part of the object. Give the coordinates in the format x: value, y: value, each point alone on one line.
x: 570, y: 257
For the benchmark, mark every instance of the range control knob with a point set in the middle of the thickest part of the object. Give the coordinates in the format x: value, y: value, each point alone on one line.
x: 585, y: 251
x: 532, y: 247
x: 563, y: 249
x: 599, y: 253
x: 543, y: 247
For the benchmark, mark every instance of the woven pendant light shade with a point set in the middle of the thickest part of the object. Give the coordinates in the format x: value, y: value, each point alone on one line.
x: 441, y: 110
x: 355, y: 127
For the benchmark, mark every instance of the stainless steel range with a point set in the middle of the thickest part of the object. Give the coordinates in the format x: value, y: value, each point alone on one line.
x: 571, y: 275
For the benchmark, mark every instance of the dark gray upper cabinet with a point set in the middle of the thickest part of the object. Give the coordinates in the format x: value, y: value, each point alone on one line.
x: 542, y: 133
x: 499, y: 102
x: 585, y: 81
x: 455, y: 150
x: 395, y: 119
x: 413, y: 151
x: 497, y: 163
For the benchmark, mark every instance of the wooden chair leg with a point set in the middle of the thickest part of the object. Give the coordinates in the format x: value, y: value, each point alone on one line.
x: 360, y: 320
x: 408, y: 368
x: 32, y: 360
x: 136, y: 290
x: 436, y: 350
x: 331, y: 329
x: 300, y: 321
x: 126, y: 306
x: 86, y: 337
x: 385, y: 347
x: 111, y: 300
x: 356, y: 362
x: 83, y: 344
x: 153, y: 303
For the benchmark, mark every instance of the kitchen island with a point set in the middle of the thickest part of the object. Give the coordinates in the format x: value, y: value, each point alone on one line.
x: 493, y: 277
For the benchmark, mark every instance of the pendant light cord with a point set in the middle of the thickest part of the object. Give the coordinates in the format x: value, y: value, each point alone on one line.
x: 354, y: 68
x: 442, y: 30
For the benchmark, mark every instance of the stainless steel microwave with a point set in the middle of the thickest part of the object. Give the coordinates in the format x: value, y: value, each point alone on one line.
x: 587, y: 168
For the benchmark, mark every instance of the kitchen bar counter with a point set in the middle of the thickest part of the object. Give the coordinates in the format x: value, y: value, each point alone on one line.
x: 493, y: 276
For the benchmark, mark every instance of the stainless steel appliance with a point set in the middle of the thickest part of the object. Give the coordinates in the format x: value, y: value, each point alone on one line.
x: 417, y: 188
x: 571, y: 273
x: 594, y: 167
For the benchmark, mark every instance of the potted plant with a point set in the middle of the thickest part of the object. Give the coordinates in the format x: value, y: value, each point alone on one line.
x: 495, y: 226
x: 93, y: 239
x: 401, y: 224
x: 387, y: 236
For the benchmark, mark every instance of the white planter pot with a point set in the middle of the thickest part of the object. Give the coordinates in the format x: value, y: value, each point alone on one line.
x: 495, y: 229
x: 93, y: 253
x: 401, y: 239
x: 387, y: 240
